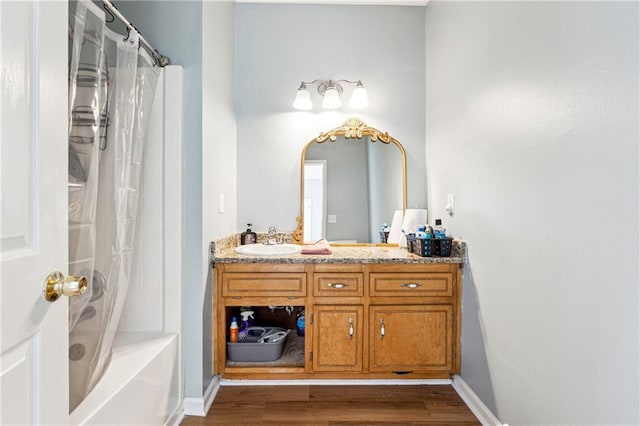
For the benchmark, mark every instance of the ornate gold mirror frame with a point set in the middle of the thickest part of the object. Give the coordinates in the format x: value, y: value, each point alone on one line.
x: 353, y: 128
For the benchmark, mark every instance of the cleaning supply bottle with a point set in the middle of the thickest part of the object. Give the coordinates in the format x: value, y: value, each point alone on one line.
x: 439, y: 231
x: 233, y: 330
x: 248, y: 236
x: 300, y: 323
x: 247, y: 321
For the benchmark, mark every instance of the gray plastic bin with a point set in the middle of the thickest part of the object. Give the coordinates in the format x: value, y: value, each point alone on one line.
x: 255, y: 352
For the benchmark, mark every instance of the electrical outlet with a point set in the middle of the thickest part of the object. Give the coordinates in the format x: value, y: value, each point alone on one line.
x: 449, y: 207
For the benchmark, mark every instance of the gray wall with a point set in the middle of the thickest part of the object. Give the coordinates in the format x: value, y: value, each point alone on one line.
x: 280, y: 45
x: 218, y: 146
x: 532, y: 122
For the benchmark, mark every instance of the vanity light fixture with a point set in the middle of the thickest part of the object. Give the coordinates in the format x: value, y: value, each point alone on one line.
x: 330, y: 91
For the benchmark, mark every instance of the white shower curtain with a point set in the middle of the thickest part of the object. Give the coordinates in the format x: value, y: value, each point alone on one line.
x: 111, y: 86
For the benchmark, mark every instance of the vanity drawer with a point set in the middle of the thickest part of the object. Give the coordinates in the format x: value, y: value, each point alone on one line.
x: 341, y: 284
x: 271, y: 284
x: 426, y: 284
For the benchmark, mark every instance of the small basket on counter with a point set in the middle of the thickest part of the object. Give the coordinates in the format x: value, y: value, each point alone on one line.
x: 429, y: 247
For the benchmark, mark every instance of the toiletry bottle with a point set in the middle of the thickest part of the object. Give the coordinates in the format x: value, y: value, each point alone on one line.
x: 247, y: 317
x: 428, y: 232
x: 248, y: 236
x: 439, y: 231
x: 233, y: 331
x: 384, y: 233
x: 300, y: 323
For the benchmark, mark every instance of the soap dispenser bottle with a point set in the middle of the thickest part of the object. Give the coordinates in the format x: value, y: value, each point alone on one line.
x: 248, y: 236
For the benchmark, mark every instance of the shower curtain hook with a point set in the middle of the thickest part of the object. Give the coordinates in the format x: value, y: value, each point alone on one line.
x: 113, y: 18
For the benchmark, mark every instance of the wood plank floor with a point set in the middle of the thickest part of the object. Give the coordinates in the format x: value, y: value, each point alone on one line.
x: 337, y: 405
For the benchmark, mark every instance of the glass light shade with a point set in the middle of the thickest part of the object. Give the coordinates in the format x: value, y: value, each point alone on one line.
x: 331, y: 99
x: 359, y: 98
x: 303, y: 100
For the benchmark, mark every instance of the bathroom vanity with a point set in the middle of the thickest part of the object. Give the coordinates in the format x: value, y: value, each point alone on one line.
x: 374, y: 312
x: 371, y: 310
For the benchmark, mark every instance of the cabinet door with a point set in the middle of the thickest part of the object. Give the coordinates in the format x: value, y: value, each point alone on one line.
x: 411, y: 338
x: 337, y: 338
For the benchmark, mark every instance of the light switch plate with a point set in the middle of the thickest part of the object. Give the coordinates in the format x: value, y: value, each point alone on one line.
x: 332, y: 218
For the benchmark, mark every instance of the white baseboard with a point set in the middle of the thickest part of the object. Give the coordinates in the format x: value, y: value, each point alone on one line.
x: 363, y: 382
x: 200, y: 406
x: 477, y: 407
x: 176, y: 418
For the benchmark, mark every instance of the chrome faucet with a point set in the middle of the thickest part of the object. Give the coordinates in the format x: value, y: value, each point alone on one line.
x: 271, y: 235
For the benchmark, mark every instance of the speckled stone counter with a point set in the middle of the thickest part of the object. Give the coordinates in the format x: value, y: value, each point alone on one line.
x: 224, y: 252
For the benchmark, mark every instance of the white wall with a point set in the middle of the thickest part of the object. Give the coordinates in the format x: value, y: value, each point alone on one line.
x: 278, y: 46
x: 532, y: 122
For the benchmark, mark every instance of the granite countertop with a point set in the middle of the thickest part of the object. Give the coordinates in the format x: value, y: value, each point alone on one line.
x: 224, y: 252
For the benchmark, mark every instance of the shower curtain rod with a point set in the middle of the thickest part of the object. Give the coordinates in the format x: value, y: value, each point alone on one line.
x: 161, y: 60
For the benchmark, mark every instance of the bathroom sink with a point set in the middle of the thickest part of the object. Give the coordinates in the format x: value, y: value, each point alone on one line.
x: 268, y: 250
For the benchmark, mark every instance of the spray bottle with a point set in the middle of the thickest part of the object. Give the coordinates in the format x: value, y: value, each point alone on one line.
x: 247, y: 321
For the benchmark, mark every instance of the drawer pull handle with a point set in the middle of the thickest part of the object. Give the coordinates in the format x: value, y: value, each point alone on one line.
x: 350, y: 328
x: 411, y: 285
x: 381, y: 328
x: 337, y: 285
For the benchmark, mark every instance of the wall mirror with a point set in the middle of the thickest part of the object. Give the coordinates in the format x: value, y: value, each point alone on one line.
x: 352, y: 180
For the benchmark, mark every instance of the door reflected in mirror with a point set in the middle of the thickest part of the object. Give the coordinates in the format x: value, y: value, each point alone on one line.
x: 353, y: 179
x: 315, y: 188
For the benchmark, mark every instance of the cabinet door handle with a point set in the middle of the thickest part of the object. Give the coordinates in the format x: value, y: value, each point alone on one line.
x: 350, y: 328
x: 411, y: 285
x: 337, y: 285
x: 381, y: 328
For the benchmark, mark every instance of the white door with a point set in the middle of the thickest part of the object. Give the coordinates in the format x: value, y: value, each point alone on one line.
x: 33, y: 228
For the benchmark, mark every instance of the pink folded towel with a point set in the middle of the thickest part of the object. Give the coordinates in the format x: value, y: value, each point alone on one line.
x: 320, y: 247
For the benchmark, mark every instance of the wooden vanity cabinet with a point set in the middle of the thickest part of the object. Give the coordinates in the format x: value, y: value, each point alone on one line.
x: 414, y: 315
x: 338, y: 338
x: 411, y: 338
x: 369, y: 320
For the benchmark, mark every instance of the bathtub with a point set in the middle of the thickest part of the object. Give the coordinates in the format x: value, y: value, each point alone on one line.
x: 142, y: 364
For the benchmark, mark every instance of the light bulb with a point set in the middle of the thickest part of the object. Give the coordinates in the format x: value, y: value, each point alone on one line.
x: 359, y: 98
x: 303, y: 99
x: 331, y: 99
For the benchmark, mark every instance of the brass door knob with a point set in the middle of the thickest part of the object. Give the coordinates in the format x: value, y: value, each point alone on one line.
x: 56, y: 285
